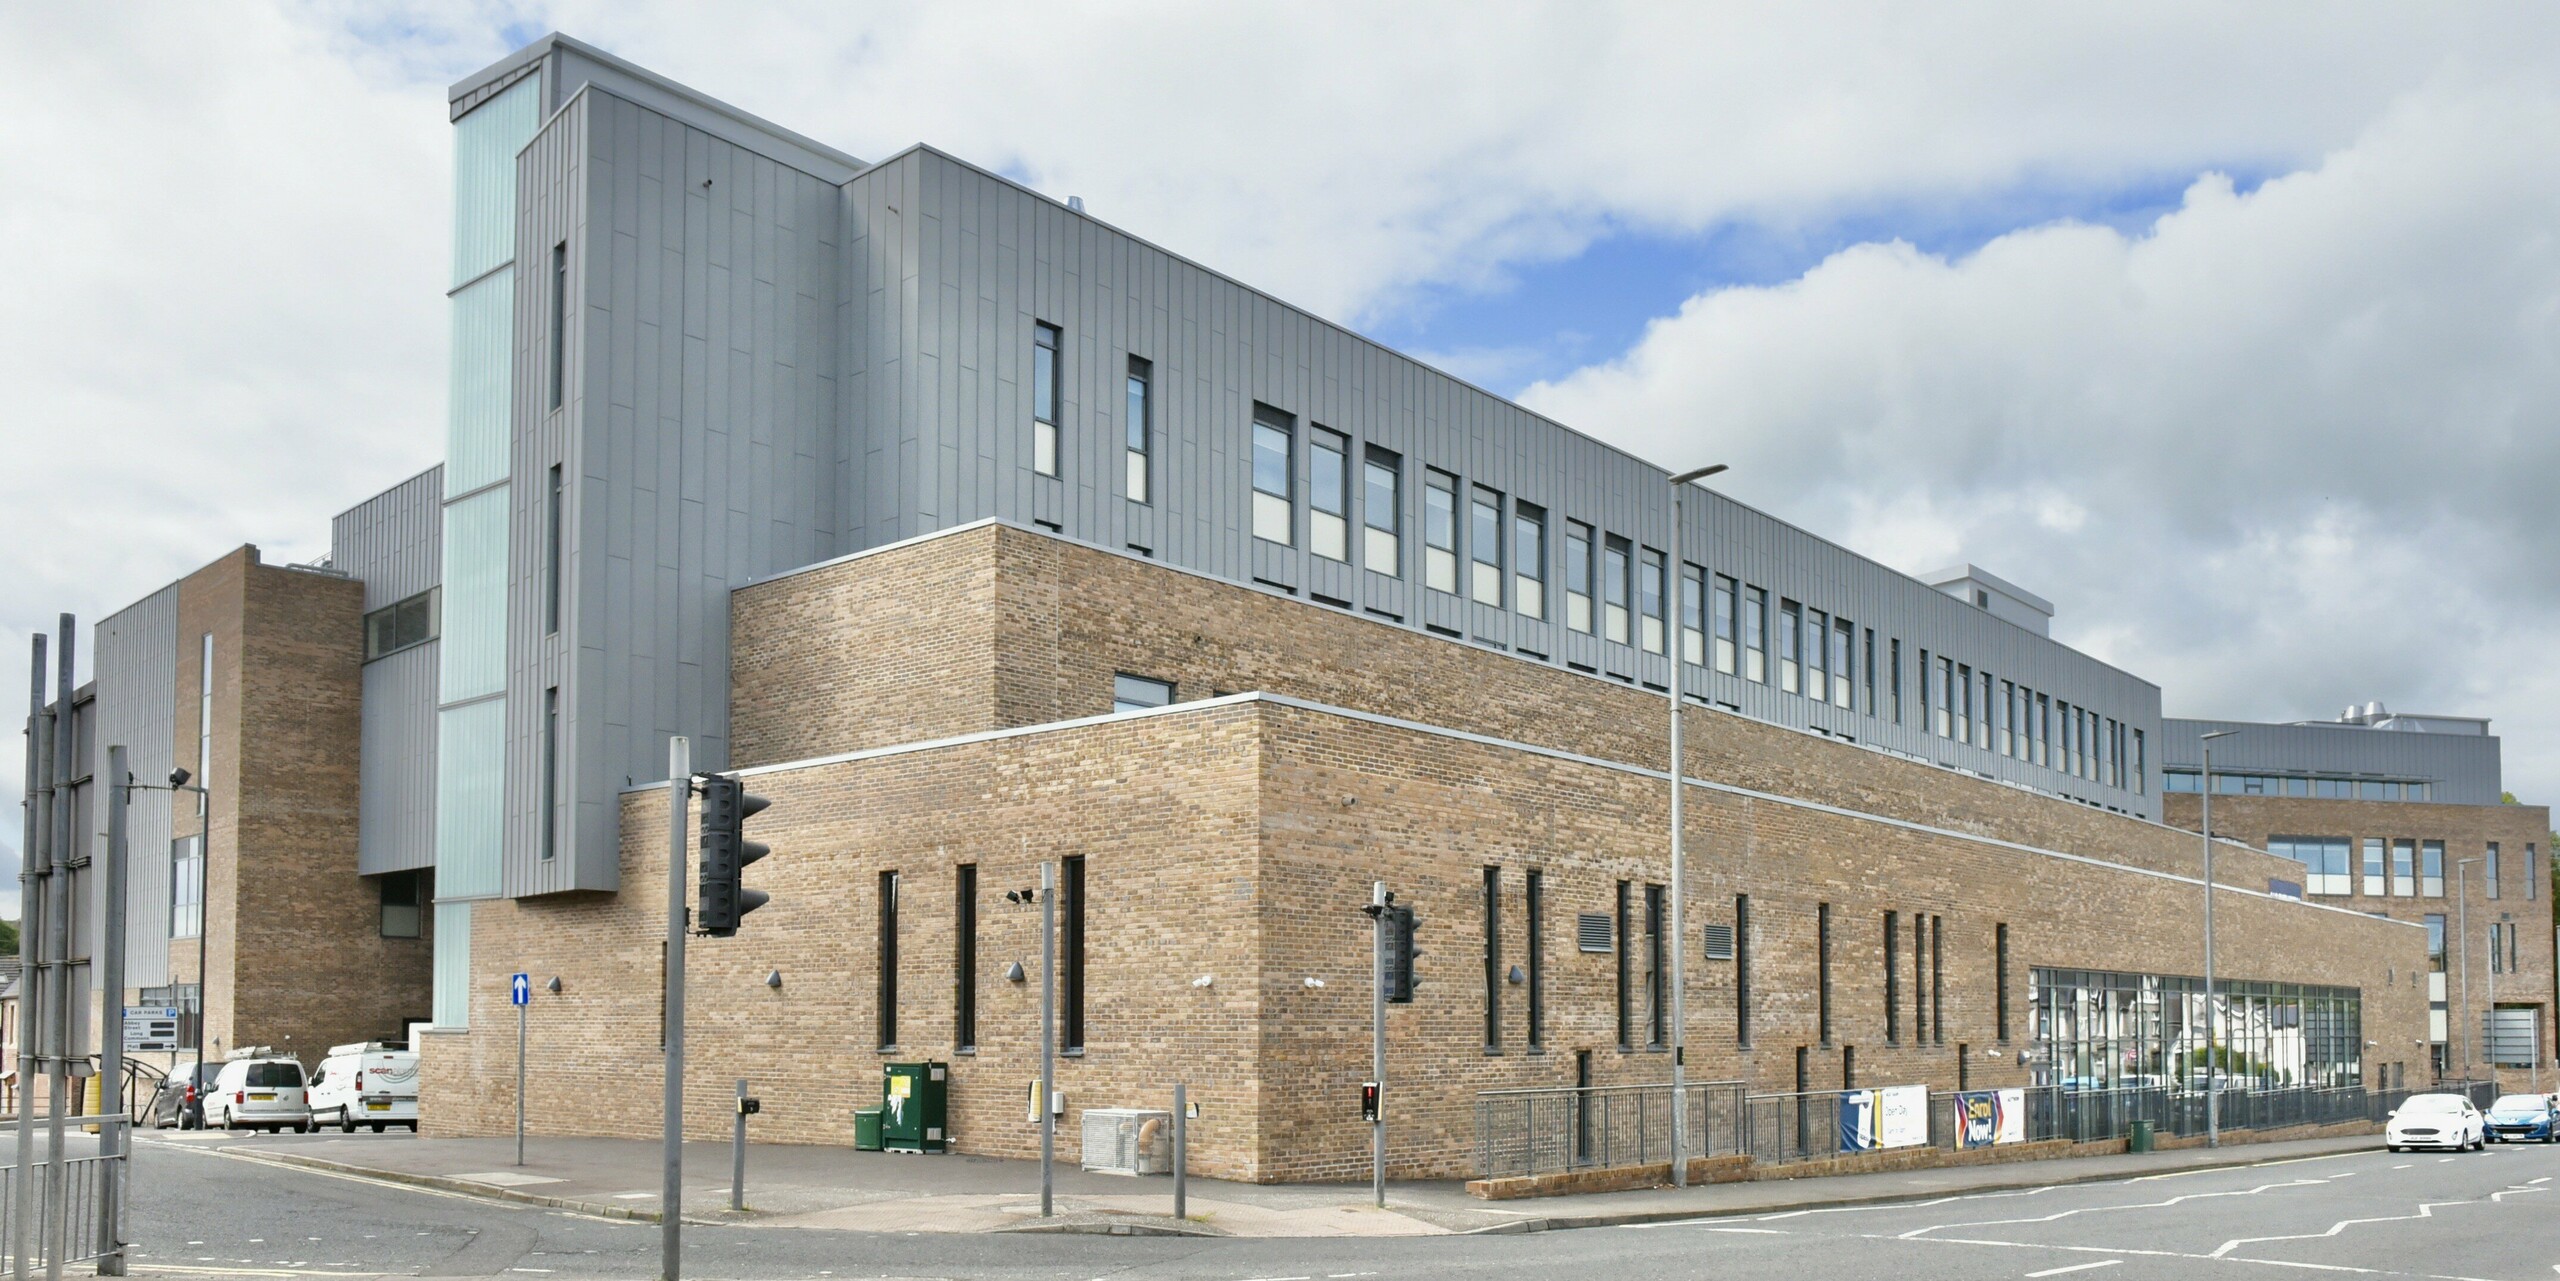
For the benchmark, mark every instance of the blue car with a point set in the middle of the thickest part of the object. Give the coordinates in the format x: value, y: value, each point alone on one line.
x: 2523, y: 1118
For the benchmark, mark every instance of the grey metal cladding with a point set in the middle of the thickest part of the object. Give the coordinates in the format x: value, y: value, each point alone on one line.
x: 2463, y: 768
x: 948, y: 267
x: 136, y: 661
x: 696, y: 437
x: 394, y: 541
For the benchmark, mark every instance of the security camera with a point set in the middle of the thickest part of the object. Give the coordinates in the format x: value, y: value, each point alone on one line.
x: 178, y: 777
x: 1313, y: 981
x: 1203, y: 981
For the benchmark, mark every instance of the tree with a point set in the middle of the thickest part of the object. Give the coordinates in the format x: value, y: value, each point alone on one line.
x: 8, y: 938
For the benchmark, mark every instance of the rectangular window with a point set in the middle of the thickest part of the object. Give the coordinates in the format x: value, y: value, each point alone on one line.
x: 1657, y: 974
x: 2489, y: 868
x: 1919, y: 979
x: 1493, y: 960
x: 1382, y: 513
x: 1893, y: 647
x: 887, y: 947
x: 204, y: 727
x: 1071, y: 954
x: 551, y: 554
x: 1693, y: 616
x: 186, y: 887
x: 1274, y: 475
x: 2000, y: 981
x: 1617, y: 584
x: 550, y: 773
x: 964, y: 957
x: 1843, y: 642
x: 1869, y: 666
x: 1728, y: 604
x: 1649, y: 589
x: 403, y: 624
x: 1626, y: 957
x: 1045, y: 399
x: 559, y: 322
x: 2435, y: 942
x: 2043, y: 720
x: 1138, y: 447
x: 2532, y: 874
x: 1439, y: 530
x: 1329, y: 494
x: 1822, y: 969
x: 2431, y: 869
x: 1755, y: 635
x: 1944, y: 690
x: 1537, y: 959
x: 1963, y: 690
x: 1742, y: 970
x: 2404, y: 862
x: 2008, y: 707
x: 1790, y: 638
x: 2373, y: 883
x: 401, y: 909
x: 1484, y: 538
x: 1529, y: 560
x: 1577, y: 576
x: 1938, y: 978
x: 1817, y: 658
x: 2140, y: 784
x: 1893, y: 978
x: 1138, y: 693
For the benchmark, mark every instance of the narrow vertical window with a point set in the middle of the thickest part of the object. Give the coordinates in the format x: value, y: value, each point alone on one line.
x: 2489, y: 868
x: 1617, y: 572
x: 1728, y: 605
x: 2008, y: 696
x: 1755, y: 635
x: 1893, y: 646
x: 204, y: 733
x: 1382, y: 513
x: 1919, y: 979
x: 1529, y: 559
x: 1649, y: 599
x: 888, y: 960
x: 1942, y: 692
x: 551, y: 553
x: 964, y: 957
x: 1439, y: 531
x: 1938, y: 977
x: 1817, y: 659
x: 1869, y: 667
x: 2404, y: 862
x: 2431, y: 869
x: 559, y: 323
x: 1492, y: 960
x: 1484, y: 547
x: 1742, y: 970
x: 1045, y: 398
x: 2000, y: 978
x: 1329, y: 494
x: 1657, y: 974
x: 186, y: 887
x: 1843, y: 636
x: 550, y: 772
x: 2044, y: 730
x: 1790, y: 636
x: 1139, y: 449
x: 1822, y: 968
x: 1626, y: 1028
x: 2373, y: 881
x: 1071, y: 953
x: 1537, y: 960
x: 1577, y: 576
x: 2532, y: 874
x: 1962, y: 687
x: 1892, y: 978
x: 1693, y: 616
x: 1848, y: 1067
x: 1273, y: 492
x: 2141, y: 784
x: 401, y: 914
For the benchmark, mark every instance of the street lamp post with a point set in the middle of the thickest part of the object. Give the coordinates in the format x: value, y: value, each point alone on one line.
x: 2212, y: 1058
x: 1679, y: 620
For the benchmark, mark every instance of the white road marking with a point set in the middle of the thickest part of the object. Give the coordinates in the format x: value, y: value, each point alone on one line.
x: 2426, y: 1210
x: 2545, y: 1179
x: 2093, y: 1209
x: 2076, y: 1267
x: 2396, y: 1167
x: 1772, y: 1232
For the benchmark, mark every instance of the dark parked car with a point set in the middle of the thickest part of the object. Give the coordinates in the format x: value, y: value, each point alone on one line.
x: 180, y: 1101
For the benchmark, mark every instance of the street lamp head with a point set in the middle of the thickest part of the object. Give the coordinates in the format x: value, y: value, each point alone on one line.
x: 178, y: 777
x: 1700, y: 474
x: 2220, y: 733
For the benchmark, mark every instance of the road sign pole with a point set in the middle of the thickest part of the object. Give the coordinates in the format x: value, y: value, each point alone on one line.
x: 1378, y: 1040
x: 671, y: 1190
x: 738, y: 1152
x: 115, y: 1135
x: 521, y: 1006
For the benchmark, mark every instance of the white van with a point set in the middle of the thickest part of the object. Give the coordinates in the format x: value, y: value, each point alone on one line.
x: 367, y: 1083
x: 259, y: 1094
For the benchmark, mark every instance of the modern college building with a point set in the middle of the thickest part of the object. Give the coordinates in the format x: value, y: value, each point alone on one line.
x: 981, y: 535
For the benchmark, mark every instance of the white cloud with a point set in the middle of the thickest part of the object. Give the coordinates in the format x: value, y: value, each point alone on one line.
x: 2280, y: 452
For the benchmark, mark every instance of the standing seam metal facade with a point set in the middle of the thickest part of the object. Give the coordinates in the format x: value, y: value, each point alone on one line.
x: 136, y: 661
x: 2463, y: 769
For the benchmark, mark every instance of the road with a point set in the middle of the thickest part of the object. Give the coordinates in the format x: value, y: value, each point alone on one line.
x: 2494, y: 1216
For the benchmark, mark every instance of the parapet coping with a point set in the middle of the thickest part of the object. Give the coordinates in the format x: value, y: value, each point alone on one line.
x: 1486, y: 740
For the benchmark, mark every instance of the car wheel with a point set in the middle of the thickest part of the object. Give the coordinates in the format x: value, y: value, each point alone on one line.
x: 377, y: 1127
x: 346, y: 1121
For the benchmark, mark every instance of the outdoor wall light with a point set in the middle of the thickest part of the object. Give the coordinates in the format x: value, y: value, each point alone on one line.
x: 1204, y: 980
x: 1013, y: 972
x: 774, y: 980
x: 1518, y: 976
x: 2022, y: 1058
x: 1312, y: 981
x: 553, y: 987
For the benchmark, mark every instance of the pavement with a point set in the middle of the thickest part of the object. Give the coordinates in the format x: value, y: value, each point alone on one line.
x: 803, y: 1186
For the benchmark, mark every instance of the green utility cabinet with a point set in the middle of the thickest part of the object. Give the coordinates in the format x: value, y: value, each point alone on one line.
x: 915, y: 1106
x: 866, y: 1130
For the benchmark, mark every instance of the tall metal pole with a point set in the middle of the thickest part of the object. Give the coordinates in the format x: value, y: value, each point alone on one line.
x: 1181, y: 1151
x: 738, y: 1152
x: 22, y: 1217
x: 671, y: 1188
x: 1048, y: 1036
x: 57, y: 892
x: 2212, y: 1060
x: 115, y: 1133
x: 1378, y: 1039
x: 1679, y: 862
x: 520, y: 1080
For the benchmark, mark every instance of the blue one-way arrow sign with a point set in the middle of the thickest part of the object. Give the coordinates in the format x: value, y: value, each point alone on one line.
x: 520, y: 990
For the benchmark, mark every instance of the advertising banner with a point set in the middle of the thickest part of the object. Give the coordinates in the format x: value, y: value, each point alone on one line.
x: 1986, y: 1117
x: 1893, y: 1117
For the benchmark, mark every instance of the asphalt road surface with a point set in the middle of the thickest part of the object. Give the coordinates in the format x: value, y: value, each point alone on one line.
x: 2493, y: 1216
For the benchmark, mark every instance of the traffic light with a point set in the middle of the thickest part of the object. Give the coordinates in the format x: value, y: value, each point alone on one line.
x: 1401, y: 952
x: 726, y: 851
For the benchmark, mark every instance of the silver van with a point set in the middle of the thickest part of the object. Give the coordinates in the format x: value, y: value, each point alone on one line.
x: 259, y: 1094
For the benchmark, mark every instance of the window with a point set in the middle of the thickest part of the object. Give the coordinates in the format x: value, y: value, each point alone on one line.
x: 1945, y: 692
x: 2431, y: 869
x: 1492, y: 960
x: 1617, y: 568
x: 1382, y: 514
x: 186, y: 887
x: 1790, y: 637
x: 888, y: 960
x: 2008, y: 706
x: 1139, y: 448
x: 1657, y: 975
x: 400, y: 625
x: 2497, y: 948
x: 1938, y: 978
x: 1529, y: 560
x: 1843, y: 640
x: 1329, y: 494
x: 1919, y: 979
x: 2489, y: 868
x: 1822, y: 968
x: 964, y: 957
x: 1484, y: 538
x: 2532, y: 874
x: 1755, y: 635
x: 1962, y: 688
x: 2435, y: 942
x: 1137, y: 693
x: 1693, y: 616
x: 204, y: 730
x: 1273, y: 492
x: 559, y: 321
x: 1577, y: 576
x: 1817, y: 660
x: 1537, y: 960
x: 2323, y: 859
x: 551, y: 555
x: 2404, y: 859
x: 2042, y: 721
x: 2373, y: 883
x: 1649, y: 600
x: 2000, y: 984
x: 1893, y: 647
x: 1071, y: 953
x: 2139, y: 783
x: 1045, y: 399
x: 1893, y: 978
x: 401, y: 909
x: 1626, y: 1029
x: 1727, y: 604
x: 1439, y: 530
x: 1742, y: 970
x: 550, y: 773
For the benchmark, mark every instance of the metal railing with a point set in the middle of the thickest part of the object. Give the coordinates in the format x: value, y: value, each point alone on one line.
x: 1525, y: 1132
x: 1545, y: 1131
x: 82, y: 1191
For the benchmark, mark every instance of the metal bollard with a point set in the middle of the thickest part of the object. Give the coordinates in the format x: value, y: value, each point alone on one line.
x: 1181, y: 1158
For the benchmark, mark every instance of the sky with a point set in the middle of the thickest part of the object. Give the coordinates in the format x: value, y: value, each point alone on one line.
x: 2234, y: 331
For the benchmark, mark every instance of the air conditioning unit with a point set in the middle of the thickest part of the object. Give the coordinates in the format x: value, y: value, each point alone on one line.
x: 1128, y: 1141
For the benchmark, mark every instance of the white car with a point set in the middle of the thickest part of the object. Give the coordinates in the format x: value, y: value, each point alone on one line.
x: 2446, y: 1121
x: 366, y: 1083
x: 259, y: 1094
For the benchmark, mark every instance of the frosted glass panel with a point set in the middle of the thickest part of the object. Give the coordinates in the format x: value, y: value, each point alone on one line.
x: 485, y: 144
x: 472, y: 660
x: 471, y: 757
x: 476, y: 426
x: 453, y: 965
